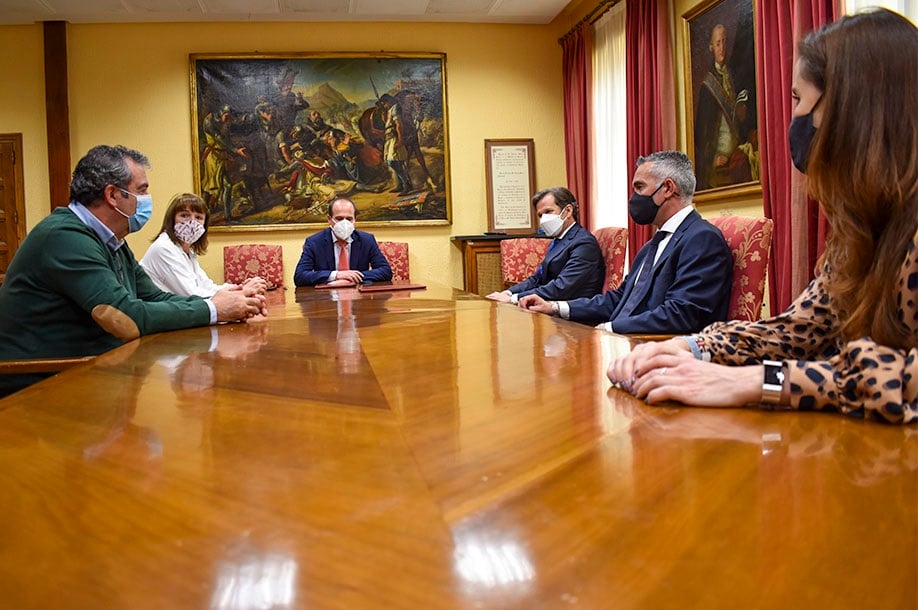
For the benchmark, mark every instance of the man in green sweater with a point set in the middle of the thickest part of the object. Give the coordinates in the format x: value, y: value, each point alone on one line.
x: 74, y: 287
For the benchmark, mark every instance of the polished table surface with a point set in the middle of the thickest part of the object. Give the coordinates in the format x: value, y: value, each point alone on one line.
x: 431, y: 449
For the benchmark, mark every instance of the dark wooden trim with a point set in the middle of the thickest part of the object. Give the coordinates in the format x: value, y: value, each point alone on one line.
x: 57, y: 111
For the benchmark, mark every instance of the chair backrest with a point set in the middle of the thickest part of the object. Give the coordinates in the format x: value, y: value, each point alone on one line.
x: 613, y: 241
x: 248, y: 260
x: 520, y: 257
x: 750, y: 241
x: 396, y: 252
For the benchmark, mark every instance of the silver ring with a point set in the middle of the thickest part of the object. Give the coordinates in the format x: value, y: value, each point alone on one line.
x: 662, y: 371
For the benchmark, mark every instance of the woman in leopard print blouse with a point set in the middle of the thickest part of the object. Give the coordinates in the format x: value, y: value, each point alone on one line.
x: 849, y: 343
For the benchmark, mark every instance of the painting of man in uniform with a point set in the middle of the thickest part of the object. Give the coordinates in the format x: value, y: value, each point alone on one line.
x: 722, y: 66
x: 278, y: 138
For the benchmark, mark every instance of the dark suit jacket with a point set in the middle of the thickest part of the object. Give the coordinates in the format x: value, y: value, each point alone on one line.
x: 572, y: 269
x: 690, y: 286
x: 318, y: 259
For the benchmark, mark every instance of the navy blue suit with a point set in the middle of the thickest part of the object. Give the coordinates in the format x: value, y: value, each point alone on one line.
x: 318, y: 259
x: 572, y: 268
x: 690, y: 286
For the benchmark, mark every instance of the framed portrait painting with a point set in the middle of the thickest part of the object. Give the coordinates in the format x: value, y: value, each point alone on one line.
x: 721, y: 93
x: 276, y: 138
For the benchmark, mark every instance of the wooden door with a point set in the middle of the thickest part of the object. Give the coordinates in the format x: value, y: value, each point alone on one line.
x: 12, y: 198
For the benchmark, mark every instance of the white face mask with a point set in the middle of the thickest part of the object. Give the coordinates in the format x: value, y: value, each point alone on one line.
x: 189, y: 231
x: 551, y: 224
x: 343, y: 229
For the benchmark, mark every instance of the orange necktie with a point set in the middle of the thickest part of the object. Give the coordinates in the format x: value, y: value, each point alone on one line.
x: 343, y: 264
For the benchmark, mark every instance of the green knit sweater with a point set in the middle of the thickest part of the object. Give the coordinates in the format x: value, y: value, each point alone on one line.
x: 66, y: 293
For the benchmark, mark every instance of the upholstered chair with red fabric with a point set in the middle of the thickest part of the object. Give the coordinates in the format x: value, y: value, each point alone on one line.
x: 249, y: 260
x: 750, y: 241
x: 613, y: 241
x: 396, y: 252
x: 519, y: 258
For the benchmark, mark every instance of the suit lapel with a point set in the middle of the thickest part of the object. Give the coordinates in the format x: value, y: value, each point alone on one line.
x: 676, y: 238
x: 356, y: 259
x: 563, y: 244
x: 630, y: 280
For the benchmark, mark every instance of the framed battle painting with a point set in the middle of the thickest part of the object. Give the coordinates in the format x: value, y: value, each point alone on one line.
x: 276, y: 138
x: 721, y: 95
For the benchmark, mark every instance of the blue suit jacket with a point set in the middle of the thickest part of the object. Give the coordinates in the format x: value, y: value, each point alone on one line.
x: 318, y: 259
x: 690, y: 286
x: 572, y: 269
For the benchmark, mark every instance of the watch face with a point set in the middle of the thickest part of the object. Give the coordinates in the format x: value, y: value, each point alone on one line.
x: 774, y: 374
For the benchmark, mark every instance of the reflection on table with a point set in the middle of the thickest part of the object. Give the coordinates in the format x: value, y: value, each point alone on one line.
x: 431, y: 449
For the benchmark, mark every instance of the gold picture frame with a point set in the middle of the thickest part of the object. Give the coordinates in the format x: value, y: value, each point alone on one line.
x: 276, y: 137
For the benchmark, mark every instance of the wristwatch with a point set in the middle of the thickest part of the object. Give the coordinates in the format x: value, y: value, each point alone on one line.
x: 773, y: 382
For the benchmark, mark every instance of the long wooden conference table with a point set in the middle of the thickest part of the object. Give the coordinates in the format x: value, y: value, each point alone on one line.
x: 431, y: 449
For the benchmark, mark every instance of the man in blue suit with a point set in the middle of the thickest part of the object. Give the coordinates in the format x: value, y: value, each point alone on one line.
x: 573, y: 267
x: 341, y: 255
x: 680, y: 280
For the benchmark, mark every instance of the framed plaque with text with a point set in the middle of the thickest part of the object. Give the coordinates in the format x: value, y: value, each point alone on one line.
x: 510, y: 174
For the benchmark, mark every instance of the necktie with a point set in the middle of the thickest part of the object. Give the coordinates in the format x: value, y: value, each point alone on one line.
x: 642, y: 285
x: 343, y: 264
x: 551, y: 247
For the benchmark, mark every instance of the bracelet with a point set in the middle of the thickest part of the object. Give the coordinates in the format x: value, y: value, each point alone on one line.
x: 696, y: 344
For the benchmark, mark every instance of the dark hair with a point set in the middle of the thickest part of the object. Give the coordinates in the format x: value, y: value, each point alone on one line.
x: 332, y: 203
x: 563, y: 198
x: 862, y: 166
x: 192, y: 203
x: 675, y: 165
x: 101, y: 166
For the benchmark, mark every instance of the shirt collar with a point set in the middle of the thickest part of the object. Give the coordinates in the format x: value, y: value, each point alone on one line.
x: 90, y: 220
x: 565, y: 231
x: 676, y: 219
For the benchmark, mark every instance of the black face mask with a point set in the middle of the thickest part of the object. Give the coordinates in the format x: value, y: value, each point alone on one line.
x: 800, y: 137
x: 642, y: 209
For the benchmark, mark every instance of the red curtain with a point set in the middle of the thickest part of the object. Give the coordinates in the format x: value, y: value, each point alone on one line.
x: 651, y: 101
x: 800, y: 228
x: 577, y: 66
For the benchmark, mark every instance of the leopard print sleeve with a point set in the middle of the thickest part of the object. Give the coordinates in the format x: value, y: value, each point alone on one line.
x: 806, y: 330
x: 864, y: 380
x: 867, y: 379
x: 860, y: 378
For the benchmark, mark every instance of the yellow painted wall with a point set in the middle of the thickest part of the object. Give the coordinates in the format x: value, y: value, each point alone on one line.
x: 129, y: 84
x: 22, y: 109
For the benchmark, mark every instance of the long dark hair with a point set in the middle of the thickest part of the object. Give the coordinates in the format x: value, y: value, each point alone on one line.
x: 863, y: 165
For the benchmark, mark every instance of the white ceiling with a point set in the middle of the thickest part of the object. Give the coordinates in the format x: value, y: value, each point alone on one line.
x: 124, y: 11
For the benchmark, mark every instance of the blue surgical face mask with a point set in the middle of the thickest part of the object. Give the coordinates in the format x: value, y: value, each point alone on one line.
x: 143, y: 212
